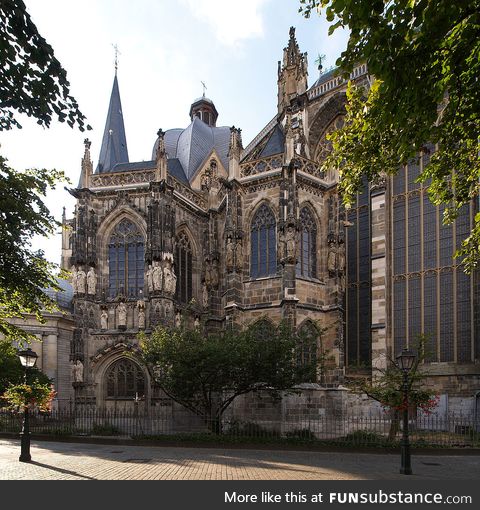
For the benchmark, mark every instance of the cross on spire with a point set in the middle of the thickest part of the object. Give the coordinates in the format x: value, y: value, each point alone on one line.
x: 117, y: 52
x: 204, y: 87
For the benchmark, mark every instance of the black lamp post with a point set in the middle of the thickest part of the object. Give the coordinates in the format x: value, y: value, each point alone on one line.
x: 28, y: 358
x: 405, y: 362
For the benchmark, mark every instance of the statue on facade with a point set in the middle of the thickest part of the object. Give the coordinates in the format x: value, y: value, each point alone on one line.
x: 229, y: 253
x: 76, y: 371
x: 81, y: 281
x: 157, y: 277
x: 332, y: 261
x: 122, y: 315
x: 149, y: 276
x: 74, y: 280
x: 170, y: 280
x: 239, y: 255
x: 196, y: 323
x: 141, y: 314
x: 290, y: 243
x: 178, y: 319
x: 91, y: 282
x: 104, y: 319
x: 205, y: 296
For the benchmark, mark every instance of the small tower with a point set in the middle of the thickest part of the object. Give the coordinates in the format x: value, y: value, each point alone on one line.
x: 292, y: 74
x: 204, y: 109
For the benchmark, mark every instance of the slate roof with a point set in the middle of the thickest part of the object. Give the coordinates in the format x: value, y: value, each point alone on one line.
x: 64, y: 296
x: 191, y: 146
x: 275, y: 144
x: 114, y: 142
x: 325, y: 77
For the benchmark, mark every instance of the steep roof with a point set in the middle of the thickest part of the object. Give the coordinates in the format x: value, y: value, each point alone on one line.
x: 114, y: 142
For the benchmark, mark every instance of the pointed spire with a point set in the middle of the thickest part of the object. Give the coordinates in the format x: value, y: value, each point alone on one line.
x: 161, y: 158
x: 87, y: 166
x: 114, y: 142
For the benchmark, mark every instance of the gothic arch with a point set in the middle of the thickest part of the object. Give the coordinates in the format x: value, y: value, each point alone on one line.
x: 308, y: 346
x: 183, y: 228
x: 308, y: 241
x: 334, y: 107
x: 262, y: 248
x: 186, y: 265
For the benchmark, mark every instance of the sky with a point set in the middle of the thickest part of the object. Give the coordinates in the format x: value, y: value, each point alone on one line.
x: 167, y: 48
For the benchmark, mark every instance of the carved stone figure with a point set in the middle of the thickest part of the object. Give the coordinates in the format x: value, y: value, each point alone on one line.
x: 196, y: 323
x: 239, y: 255
x: 91, y: 281
x: 149, y: 276
x: 332, y: 261
x: 122, y: 315
x: 74, y: 280
x: 205, y: 296
x: 104, y: 319
x: 81, y: 281
x: 76, y: 371
x: 290, y: 243
x: 178, y: 319
x: 141, y: 318
x: 229, y: 255
x: 157, y: 277
x: 170, y: 280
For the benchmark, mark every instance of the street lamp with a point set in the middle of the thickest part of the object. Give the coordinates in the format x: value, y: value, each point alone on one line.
x: 405, y: 362
x: 28, y: 358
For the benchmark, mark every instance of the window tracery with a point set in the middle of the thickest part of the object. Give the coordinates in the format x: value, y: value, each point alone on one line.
x: 307, y: 259
x: 263, y: 260
x: 183, y: 268
x: 125, y: 379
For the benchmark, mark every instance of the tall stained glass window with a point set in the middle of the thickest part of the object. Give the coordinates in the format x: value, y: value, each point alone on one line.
x: 263, y: 242
x: 307, y: 260
x: 125, y: 379
x: 183, y: 268
x: 126, y: 260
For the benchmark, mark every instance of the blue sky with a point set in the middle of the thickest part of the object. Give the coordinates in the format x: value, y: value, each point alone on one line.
x: 166, y: 48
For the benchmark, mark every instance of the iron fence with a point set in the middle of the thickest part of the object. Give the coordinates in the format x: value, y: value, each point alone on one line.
x: 169, y: 423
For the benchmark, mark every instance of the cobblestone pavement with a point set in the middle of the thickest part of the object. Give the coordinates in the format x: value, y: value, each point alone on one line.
x: 71, y: 461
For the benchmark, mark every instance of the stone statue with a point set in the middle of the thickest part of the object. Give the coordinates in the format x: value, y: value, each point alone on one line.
x: 170, y: 280
x: 205, y: 296
x: 74, y: 280
x: 91, y: 281
x: 141, y: 318
x: 81, y: 281
x: 290, y: 243
x: 239, y: 256
x: 122, y: 314
x: 196, y: 323
x: 341, y: 261
x: 178, y: 320
x: 104, y: 319
x: 76, y: 371
x: 332, y: 261
x: 229, y: 253
x: 149, y: 276
x: 157, y: 277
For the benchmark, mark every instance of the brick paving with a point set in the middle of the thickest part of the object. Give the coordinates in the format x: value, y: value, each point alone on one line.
x: 73, y: 461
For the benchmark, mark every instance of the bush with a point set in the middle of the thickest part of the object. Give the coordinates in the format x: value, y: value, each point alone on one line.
x: 250, y: 429
x: 365, y: 438
x: 302, y: 434
x: 105, y: 430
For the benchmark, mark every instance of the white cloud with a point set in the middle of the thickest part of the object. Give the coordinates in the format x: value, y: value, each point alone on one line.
x: 231, y: 21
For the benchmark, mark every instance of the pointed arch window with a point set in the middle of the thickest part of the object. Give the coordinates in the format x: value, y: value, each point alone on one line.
x: 125, y: 379
x: 307, y: 260
x: 263, y: 242
x: 126, y: 260
x: 307, y: 351
x: 183, y: 268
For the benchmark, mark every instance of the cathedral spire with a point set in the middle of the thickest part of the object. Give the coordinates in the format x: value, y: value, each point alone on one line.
x: 292, y: 73
x: 114, y: 142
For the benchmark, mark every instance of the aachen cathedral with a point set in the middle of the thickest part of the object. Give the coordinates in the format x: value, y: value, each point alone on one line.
x: 257, y: 233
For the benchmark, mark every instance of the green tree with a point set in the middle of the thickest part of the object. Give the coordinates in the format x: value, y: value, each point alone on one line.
x: 386, y: 387
x: 12, y: 371
x: 424, y: 56
x: 32, y: 82
x: 206, y: 372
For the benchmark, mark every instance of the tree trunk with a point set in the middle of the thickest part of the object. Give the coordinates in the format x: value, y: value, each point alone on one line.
x: 394, y: 424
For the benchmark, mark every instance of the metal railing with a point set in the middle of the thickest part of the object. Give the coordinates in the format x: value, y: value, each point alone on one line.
x: 172, y: 422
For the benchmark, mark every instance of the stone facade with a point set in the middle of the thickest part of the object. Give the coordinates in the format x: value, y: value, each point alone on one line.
x: 236, y: 235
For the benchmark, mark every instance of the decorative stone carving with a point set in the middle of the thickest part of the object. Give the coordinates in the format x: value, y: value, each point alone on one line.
x: 104, y: 319
x: 76, y: 371
x: 157, y: 277
x: 205, y: 296
x: 122, y: 315
x: 230, y: 252
x: 196, y: 323
x: 91, y: 282
x: 239, y: 255
x: 290, y: 243
x: 170, y: 280
x: 332, y: 261
x: 141, y: 314
x: 149, y: 277
x: 178, y: 319
x: 81, y: 278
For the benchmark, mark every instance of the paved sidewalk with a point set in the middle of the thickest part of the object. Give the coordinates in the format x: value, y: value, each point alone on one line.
x: 73, y: 461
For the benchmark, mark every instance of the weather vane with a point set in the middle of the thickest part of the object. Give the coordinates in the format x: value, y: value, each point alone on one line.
x: 117, y: 52
x: 319, y: 62
x: 204, y: 87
